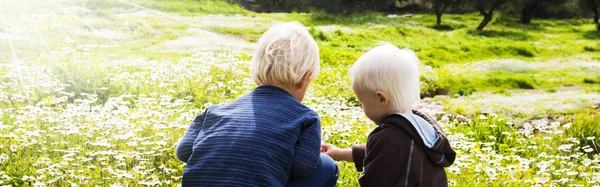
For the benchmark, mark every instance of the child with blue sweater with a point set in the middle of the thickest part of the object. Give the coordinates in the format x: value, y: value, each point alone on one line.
x: 266, y: 137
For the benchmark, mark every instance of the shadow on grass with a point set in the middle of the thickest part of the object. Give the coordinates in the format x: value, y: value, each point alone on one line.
x: 515, y: 24
x: 592, y: 35
x: 510, y: 35
x: 511, y: 82
x: 444, y: 27
x: 517, y: 50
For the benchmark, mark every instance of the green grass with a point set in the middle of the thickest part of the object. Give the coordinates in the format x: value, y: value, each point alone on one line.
x: 584, y: 126
x: 503, y: 39
x: 457, y: 43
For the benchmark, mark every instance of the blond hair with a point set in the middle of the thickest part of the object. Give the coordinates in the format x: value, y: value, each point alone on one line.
x: 285, y: 53
x: 392, y: 70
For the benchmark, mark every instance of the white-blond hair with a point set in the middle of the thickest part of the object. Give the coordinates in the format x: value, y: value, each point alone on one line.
x: 392, y: 70
x: 285, y: 53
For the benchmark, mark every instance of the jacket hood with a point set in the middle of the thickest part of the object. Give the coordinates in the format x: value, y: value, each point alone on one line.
x: 427, y: 133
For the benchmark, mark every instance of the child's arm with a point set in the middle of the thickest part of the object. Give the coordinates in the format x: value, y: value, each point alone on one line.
x: 386, y: 160
x: 307, y: 150
x: 336, y: 153
x: 354, y: 154
x: 184, y: 149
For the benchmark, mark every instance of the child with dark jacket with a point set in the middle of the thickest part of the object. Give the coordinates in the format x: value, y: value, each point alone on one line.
x: 408, y: 148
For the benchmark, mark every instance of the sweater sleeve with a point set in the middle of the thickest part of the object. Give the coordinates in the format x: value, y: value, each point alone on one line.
x: 389, y: 164
x: 358, y: 155
x: 184, y: 149
x: 307, y: 149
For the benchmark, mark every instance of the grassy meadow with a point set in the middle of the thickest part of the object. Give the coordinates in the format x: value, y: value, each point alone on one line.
x: 98, y: 92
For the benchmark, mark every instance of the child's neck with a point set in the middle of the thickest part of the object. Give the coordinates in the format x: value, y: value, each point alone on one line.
x: 389, y: 109
x: 295, y: 92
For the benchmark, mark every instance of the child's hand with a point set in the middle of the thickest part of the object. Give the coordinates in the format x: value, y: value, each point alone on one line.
x: 336, y: 153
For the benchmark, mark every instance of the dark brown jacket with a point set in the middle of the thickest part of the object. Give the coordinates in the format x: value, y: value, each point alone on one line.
x: 396, y: 155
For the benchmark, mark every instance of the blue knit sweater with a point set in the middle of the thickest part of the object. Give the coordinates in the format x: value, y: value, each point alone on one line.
x: 263, y: 138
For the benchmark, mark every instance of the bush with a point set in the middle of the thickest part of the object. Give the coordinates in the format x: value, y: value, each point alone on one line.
x: 524, y: 84
x: 591, y: 81
x: 524, y: 52
x: 591, y: 48
x: 464, y: 92
x: 586, y: 128
x: 511, y: 82
x: 318, y: 34
x: 551, y: 90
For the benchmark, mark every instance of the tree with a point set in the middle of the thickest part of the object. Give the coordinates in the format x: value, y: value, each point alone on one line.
x: 487, y: 8
x: 594, y: 6
x: 531, y: 6
x: 440, y: 6
x: 528, y: 10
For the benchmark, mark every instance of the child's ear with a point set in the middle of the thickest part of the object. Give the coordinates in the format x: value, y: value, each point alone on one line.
x: 305, y: 80
x: 382, y: 97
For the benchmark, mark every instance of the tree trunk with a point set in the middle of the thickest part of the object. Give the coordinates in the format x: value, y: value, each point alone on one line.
x: 439, y: 6
x: 528, y: 11
x: 596, y: 15
x: 486, y: 19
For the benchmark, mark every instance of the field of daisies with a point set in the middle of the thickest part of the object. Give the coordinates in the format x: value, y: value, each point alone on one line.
x: 98, y: 93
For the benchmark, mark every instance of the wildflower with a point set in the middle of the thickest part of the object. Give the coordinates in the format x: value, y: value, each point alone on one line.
x: 3, y: 158
x: 565, y: 147
x: 571, y: 173
x: 588, y: 149
x: 482, y: 117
